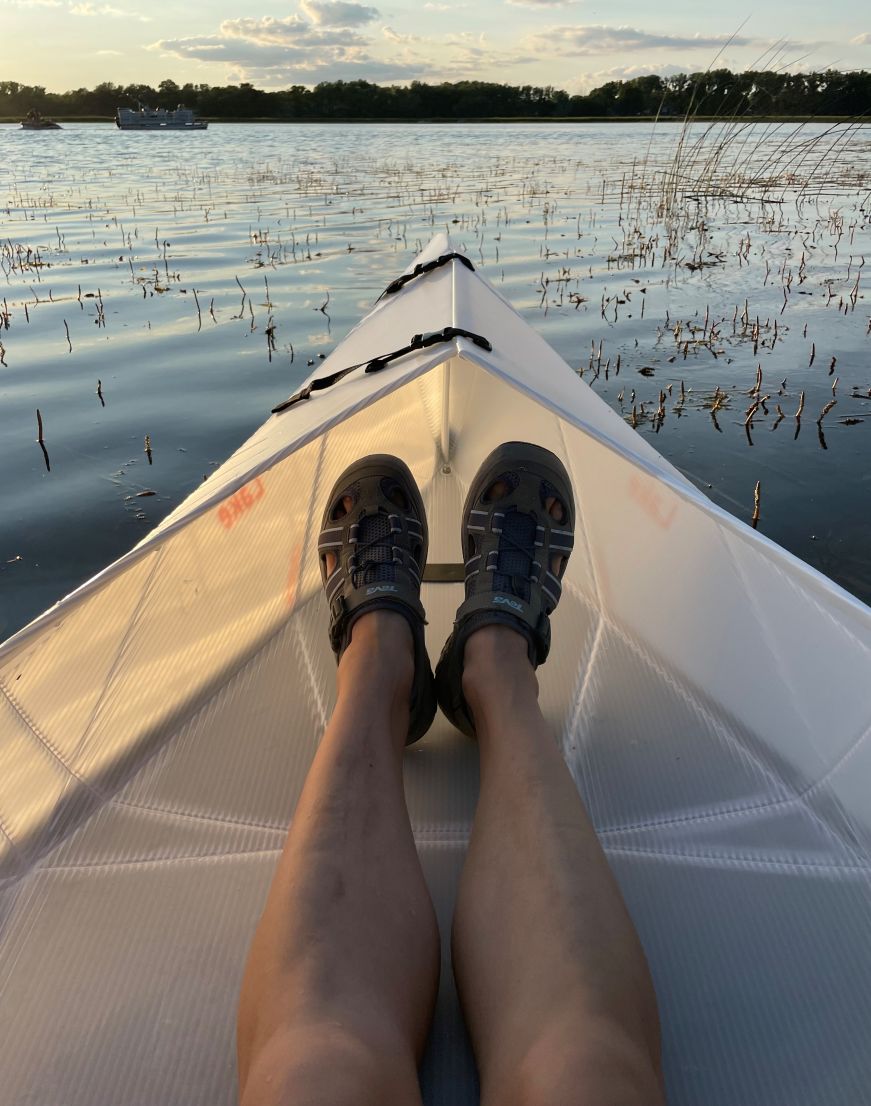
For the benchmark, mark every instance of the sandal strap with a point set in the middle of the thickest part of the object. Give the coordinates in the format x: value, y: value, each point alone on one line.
x: 348, y: 592
x: 347, y: 607
x: 528, y: 617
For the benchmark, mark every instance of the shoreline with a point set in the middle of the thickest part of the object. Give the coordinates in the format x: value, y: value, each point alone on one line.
x: 526, y: 119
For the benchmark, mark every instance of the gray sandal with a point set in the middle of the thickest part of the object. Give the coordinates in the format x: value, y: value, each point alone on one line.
x: 508, y: 546
x: 380, y: 546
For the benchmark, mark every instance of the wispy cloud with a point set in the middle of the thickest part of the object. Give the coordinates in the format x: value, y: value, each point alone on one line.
x: 471, y: 54
x: 358, y: 69
x: 543, y: 3
x: 338, y: 13
x: 399, y: 39
x: 594, y: 39
x: 292, y: 31
x: 93, y: 10
x: 624, y: 73
x: 861, y: 40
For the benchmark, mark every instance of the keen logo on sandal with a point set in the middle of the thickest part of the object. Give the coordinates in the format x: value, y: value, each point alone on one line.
x: 381, y: 588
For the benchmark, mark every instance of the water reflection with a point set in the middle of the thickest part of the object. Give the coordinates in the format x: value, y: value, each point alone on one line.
x: 199, y: 286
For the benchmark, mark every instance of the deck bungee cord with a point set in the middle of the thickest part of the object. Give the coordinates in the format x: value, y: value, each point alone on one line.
x: 422, y: 269
x: 418, y: 341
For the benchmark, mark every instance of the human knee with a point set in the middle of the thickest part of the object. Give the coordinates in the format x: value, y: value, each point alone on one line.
x: 314, y: 1064
x: 574, y: 1065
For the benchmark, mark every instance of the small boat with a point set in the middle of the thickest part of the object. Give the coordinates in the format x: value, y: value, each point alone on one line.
x: 710, y: 693
x: 158, y: 119
x: 33, y: 121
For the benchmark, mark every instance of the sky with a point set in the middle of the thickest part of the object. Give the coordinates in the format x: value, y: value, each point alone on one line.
x: 571, y: 44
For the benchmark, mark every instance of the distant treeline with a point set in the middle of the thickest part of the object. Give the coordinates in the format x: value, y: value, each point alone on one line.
x: 717, y: 92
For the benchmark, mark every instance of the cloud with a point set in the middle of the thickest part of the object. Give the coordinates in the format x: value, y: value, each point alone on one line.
x: 597, y: 39
x: 396, y: 37
x: 588, y: 81
x: 329, y: 40
x: 240, y: 53
x: 543, y: 3
x: 321, y: 42
x: 357, y: 69
x: 469, y: 55
x: 338, y: 13
x: 292, y: 31
x: 86, y: 8
x: 861, y: 40
x: 34, y: 3
x: 460, y: 55
x: 267, y: 29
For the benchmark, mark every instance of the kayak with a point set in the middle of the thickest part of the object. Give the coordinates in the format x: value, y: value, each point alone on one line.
x: 710, y: 693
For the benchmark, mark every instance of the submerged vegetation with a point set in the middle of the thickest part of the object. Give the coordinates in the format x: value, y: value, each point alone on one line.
x: 716, y: 92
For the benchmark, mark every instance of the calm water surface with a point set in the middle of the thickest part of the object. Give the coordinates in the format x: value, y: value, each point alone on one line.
x: 161, y: 264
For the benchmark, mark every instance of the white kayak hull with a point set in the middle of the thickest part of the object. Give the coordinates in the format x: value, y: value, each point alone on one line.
x: 710, y: 693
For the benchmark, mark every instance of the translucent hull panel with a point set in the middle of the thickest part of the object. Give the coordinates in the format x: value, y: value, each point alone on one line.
x: 763, y: 976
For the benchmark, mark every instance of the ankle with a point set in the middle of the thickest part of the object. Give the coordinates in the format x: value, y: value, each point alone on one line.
x: 496, y: 667
x: 380, y: 654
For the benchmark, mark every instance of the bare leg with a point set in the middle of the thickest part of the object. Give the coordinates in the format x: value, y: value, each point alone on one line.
x: 342, y: 973
x: 552, y: 977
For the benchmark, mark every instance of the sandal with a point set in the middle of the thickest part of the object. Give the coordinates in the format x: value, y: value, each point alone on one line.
x: 380, y: 546
x: 509, y: 543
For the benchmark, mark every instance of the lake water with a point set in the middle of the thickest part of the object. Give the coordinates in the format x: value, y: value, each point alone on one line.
x: 161, y: 264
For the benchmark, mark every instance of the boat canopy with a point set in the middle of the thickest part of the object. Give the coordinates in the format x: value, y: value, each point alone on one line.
x: 710, y: 693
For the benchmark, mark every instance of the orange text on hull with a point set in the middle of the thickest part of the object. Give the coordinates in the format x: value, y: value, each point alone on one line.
x: 239, y: 504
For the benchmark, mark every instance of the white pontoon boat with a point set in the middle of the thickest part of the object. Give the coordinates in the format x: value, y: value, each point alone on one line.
x: 158, y: 119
